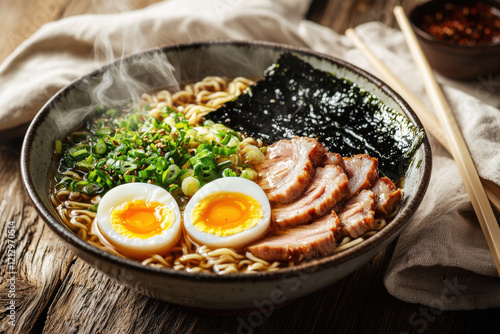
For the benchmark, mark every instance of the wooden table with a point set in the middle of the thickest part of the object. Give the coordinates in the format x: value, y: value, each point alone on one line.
x: 57, y: 292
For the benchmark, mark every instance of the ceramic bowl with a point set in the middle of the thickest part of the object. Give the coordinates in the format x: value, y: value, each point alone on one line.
x: 452, y: 60
x: 61, y: 115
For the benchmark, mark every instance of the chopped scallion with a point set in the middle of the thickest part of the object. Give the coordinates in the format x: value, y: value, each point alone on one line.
x: 101, y: 147
x: 58, y: 146
x: 171, y: 174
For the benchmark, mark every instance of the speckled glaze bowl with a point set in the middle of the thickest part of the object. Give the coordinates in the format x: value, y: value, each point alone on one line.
x: 62, y: 115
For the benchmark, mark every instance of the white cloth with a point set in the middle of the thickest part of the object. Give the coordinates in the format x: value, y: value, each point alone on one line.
x: 441, y: 258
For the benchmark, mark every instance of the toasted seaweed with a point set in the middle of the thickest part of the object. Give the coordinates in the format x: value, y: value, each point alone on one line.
x: 295, y: 99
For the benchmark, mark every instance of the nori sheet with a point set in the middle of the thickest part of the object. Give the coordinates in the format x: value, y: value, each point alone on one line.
x: 295, y: 99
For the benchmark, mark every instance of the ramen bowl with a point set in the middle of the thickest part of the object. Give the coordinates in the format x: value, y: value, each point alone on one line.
x: 192, y: 62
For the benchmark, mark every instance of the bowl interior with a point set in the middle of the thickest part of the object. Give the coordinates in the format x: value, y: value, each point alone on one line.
x: 65, y: 111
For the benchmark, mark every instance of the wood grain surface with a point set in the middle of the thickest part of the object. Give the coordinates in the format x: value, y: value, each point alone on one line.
x: 57, y: 292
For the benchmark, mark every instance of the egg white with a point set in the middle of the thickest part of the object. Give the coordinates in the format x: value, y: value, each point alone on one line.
x: 136, y: 247
x: 231, y: 185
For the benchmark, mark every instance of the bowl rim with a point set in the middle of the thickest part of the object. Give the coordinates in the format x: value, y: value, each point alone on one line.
x: 425, y: 6
x: 316, y: 264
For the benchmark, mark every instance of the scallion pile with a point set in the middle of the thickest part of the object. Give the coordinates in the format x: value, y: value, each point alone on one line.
x: 123, y: 146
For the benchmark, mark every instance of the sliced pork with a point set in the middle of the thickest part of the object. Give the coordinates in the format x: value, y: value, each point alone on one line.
x: 289, y: 167
x: 357, y: 215
x: 328, y: 187
x: 387, y: 197
x: 362, y: 172
x: 300, y: 242
x: 335, y: 159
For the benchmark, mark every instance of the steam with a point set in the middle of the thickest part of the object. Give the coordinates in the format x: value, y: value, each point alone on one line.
x: 123, y: 80
x: 128, y: 79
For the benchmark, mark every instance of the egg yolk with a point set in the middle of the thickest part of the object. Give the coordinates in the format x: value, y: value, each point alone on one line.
x: 225, y: 214
x: 141, y: 219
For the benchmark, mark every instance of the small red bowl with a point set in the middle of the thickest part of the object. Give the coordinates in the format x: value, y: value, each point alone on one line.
x: 455, y: 60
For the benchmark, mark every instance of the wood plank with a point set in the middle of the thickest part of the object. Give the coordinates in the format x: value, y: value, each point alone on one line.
x: 21, y: 19
x: 41, y: 260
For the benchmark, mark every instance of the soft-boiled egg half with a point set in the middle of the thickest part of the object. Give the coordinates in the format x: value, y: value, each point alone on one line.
x: 227, y: 212
x: 139, y: 220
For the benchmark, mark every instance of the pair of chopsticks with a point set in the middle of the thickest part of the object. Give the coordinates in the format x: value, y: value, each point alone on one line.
x: 446, y: 131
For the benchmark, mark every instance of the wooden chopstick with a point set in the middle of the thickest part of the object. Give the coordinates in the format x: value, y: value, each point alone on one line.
x: 457, y: 145
x: 429, y: 121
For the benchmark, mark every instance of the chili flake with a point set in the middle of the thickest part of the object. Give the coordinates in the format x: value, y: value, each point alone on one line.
x: 464, y: 24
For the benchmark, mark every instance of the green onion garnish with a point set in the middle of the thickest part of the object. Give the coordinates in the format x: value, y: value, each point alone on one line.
x: 171, y: 174
x: 101, y: 147
x: 58, y: 146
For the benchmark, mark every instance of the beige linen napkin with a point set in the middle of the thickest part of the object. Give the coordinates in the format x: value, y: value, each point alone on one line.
x: 441, y: 259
